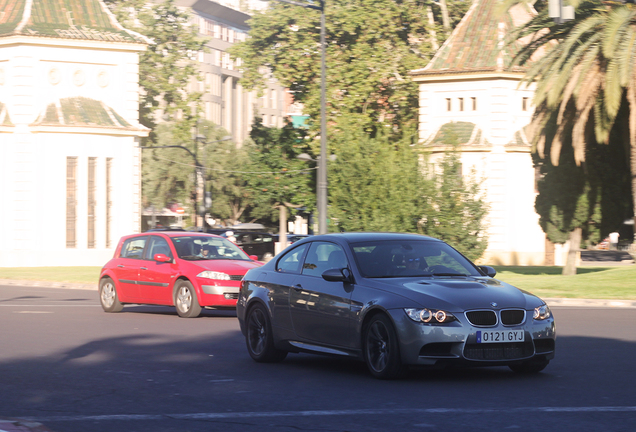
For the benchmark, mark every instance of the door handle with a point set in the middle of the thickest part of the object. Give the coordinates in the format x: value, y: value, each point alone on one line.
x: 297, y: 287
x: 143, y: 268
x: 120, y: 265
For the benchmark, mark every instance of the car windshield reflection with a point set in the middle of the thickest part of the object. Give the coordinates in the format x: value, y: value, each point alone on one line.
x: 197, y: 248
x: 419, y: 258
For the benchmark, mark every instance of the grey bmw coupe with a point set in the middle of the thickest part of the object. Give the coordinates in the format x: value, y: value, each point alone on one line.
x: 393, y: 301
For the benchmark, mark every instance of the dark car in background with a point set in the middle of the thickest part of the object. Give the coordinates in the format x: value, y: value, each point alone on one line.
x: 393, y: 301
x: 260, y: 244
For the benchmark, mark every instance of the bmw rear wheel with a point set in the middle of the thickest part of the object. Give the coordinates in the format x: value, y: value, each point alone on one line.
x: 259, y: 338
x: 108, y: 296
x: 185, y: 299
x: 381, y: 349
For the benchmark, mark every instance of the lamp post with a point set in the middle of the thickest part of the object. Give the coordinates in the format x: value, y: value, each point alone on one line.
x: 198, y: 167
x: 322, y: 161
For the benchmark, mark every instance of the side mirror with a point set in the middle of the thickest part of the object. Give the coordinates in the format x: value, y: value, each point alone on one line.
x: 253, y: 257
x: 337, y: 275
x: 488, y: 271
x: 162, y: 258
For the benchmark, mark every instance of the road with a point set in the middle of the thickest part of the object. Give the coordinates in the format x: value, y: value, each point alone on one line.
x: 72, y: 367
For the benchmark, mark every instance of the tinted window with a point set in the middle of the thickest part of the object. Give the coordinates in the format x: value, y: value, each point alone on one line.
x: 409, y: 259
x: 290, y: 262
x: 194, y: 248
x: 157, y: 245
x: 133, y: 248
x: 323, y: 256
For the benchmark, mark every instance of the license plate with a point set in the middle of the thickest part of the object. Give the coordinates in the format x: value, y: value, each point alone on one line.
x: 500, y: 336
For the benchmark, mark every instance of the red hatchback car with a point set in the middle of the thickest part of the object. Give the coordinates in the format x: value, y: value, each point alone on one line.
x: 182, y: 269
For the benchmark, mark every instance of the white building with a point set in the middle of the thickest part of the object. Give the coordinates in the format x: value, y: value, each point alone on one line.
x: 470, y: 96
x: 69, y: 157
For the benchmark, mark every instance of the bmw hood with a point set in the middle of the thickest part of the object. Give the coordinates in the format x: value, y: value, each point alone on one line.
x: 459, y: 294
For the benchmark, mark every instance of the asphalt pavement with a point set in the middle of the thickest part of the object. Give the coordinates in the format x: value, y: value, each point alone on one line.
x: 17, y: 425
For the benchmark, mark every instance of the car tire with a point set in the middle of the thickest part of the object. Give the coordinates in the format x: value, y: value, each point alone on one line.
x: 381, y: 349
x: 185, y: 300
x: 108, y: 296
x: 259, y: 338
x: 529, y: 367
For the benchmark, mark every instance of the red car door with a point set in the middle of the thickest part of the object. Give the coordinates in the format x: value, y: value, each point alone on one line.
x: 156, y: 278
x: 127, y: 266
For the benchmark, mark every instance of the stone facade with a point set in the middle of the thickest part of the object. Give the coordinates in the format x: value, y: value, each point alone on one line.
x: 471, y: 99
x: 69, y: 159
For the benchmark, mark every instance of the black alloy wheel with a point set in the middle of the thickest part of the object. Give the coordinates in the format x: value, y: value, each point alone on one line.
x: 259, y: 338
x: 381, y: 349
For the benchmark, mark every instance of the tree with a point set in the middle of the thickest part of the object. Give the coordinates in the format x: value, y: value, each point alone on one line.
x: 587, y: 73
x: 165, y: 69
x: 374, y: 184
x: 227, y: 168
x: 169, y: 63
x: 456, y: 210
x: 278, y: 179
x: 372, y: 46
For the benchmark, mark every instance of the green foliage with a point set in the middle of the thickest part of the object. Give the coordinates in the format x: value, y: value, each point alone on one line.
x: 456, y: 211
x: 277, y: 177
x: 167, y: 173
x: 371, y: 47
x: 374, y: 184
x: 225, y: 167
x: 591, y: 196
x: 169, y: 62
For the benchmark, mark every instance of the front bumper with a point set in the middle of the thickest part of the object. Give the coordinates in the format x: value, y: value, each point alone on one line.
x: 456, y: 342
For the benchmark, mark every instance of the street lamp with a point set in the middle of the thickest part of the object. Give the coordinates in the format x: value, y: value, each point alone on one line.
x: 198, y: 167
x: 322, y: 161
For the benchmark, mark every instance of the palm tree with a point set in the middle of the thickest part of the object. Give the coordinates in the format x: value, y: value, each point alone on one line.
x: 584, y: 70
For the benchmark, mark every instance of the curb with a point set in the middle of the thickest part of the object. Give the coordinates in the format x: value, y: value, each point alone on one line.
x: 49, y: 284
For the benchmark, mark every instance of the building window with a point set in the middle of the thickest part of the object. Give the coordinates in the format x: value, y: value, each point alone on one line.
x: 448, y: 104
x: 109, y: 200
x: 71, y: 201
x: 524, y: 104
x: 473, y: 100
x: 461, y: 104
x: 92, y: 162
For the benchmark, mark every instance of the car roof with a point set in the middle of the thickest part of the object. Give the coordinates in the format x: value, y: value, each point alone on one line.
x: 175, y: 234
x: 358, y: 237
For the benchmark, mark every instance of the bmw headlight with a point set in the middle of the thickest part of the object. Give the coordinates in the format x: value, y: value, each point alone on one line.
x: 541, y: 312
x: 430, y: 316
x: 213, y: 275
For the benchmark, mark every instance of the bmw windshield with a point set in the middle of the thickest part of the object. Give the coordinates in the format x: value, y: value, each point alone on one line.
x: 195, y: 248
x: 418, y: 258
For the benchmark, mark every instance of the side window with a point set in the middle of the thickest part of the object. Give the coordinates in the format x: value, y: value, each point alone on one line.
x: 244, y: 239
x: 290, y: 262
x: 158, y: 245
x: 323, y: 256
x: 133, y: 248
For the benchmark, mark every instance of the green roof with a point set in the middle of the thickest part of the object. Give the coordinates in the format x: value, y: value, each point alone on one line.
x: 67, y: 19
x: 454, y: 133
x: 81, y: 111
x: 479, y: 42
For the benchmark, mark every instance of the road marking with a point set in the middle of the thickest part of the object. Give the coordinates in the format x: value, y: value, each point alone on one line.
x: 325, y: 413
